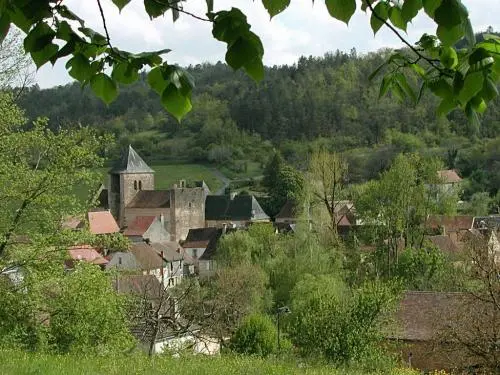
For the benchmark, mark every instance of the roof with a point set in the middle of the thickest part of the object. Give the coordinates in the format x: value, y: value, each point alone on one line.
x: 172, y: 251
x: 444, y: 243
x: 289, y: 210
x: 491, y: 222
x: 151, y: 199
x: 138, y: 285
x: 72, y: 222
x: 211, y: 249
x: 449, y: 176
x: 131, y: 162
x: 450, y: 223
x: 122, y: 261
x: 343, y: 221
x: 139, y: 226
x: 199, y: 237
x: 146, y: 256
x: 102, y: 222
x: 86, y: 253
x: 421, y: 315
x: 241, y: 207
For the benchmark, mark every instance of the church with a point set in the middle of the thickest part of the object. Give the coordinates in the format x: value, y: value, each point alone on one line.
x: 132, y: 194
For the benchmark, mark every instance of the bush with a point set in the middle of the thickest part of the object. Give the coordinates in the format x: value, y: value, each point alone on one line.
x: 256, y: 335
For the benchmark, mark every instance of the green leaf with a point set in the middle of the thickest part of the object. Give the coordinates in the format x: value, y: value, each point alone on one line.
x: 104, y: 87
x: 449, y: 37
x: 400, y: 79
x: 397, y: 19
x: 441, y: 88
x: 410, y: 9
x: 418, y: 69
x: 255, y: 69
x: 80, y: 68
x: 175, y: 103
x: 376, y: 71
x: 470, y: 36
x: 423, y: 87
x: 382, y: 11
x: 39, y: 37
x: 480, y: 59
x: 478, y: 104
x: 473, y: 83
x: 385, y: 85
x: 210, y: 6
x: 430, y: 6
x: 490, y: 90
x: 448, y: 57
x: 446, y: 106
x: 94, y: 36
x: 156, y: 80
x: 341, y: 9
x: 121, y: 3
x: 155, y: 8
x: 448, y: 14
x: 124, y: 73
x: 473, y: 118
x: 44, y: 55
x: 240, y: 52
x: 275, y: 7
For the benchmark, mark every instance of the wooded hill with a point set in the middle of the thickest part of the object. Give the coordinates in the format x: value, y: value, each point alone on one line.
x: 329, y: 98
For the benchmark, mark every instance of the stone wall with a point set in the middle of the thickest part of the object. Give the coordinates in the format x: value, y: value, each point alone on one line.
x: 187, y: 210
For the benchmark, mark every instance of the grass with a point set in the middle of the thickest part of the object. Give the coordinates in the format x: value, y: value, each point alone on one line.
x: 22, y: 363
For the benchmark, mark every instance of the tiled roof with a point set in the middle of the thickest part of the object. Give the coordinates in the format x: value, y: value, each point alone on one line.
x: 444, y: 243
x: 102, y: 222
x: 86, y: 253
x: 241, y: 207
x: 131, y: 162
x: 172, y: 251
x: 211, y: 249
x: 343, y: 221
x: 449, y: 176
x: 139, y: 226
x: 151, y: 199
x: 491, y: 222
x: 199, y: 237
x: 146, y: 256
x: 138, y: 285
x: 422, y: 315
x: 450, y: 223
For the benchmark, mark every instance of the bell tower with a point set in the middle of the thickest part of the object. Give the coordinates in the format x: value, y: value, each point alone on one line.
x: 127, y: 177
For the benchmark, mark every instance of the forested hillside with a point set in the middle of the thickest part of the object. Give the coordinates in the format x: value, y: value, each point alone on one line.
x: 326, y: 99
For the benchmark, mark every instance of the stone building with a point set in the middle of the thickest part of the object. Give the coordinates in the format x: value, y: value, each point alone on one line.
x: 132, y: 193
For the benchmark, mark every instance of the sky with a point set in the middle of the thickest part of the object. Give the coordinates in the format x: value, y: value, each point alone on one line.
x: 303, y: 29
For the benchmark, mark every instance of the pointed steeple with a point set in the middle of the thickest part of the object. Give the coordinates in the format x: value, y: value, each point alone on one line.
x: 131, y: 162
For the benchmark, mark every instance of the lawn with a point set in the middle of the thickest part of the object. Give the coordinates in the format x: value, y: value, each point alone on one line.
x: 21, y: 363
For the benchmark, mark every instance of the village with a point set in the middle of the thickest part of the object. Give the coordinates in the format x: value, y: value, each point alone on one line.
x: 174, y: 234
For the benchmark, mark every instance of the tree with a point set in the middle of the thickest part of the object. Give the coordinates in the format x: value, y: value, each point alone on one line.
x: 328, y: 176
x: 16, y: 71
x: 331, y: 322
x: 51, y: 35
x: 256, y: 335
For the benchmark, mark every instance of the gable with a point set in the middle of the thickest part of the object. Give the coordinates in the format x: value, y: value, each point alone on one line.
x: 102, y: 222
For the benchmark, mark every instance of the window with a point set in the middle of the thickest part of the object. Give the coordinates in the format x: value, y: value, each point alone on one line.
x: 171, y: 267
x: 135, y: 185
x: 140, y: 185
x: 190, y: 205
x: 195, y: 253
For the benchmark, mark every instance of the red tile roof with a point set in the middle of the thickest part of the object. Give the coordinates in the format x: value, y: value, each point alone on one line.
x: 102, y: 222
x: 449, y: 176
x: 86, y: 253
x: 450, y: 223
x: 444, y: 243
x: 139, y: 226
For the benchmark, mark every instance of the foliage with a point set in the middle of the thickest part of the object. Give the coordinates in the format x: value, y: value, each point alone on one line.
x: 478, y: 204
x: 18, y: 362
x: 256, y: 335
x: 111, y: 242
x: 331, y: 322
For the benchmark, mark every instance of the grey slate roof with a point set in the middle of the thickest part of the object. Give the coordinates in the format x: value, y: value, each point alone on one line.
x: 241, y: 207
x: 131, y: 162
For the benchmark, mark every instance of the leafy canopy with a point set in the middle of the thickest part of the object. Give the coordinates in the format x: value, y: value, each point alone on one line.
x: 463, y: 78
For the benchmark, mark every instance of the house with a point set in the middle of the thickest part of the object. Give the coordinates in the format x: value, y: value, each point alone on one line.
x: 84, y: 253
x: 147, y: 228
x: 454, y: 227
x: 288, y: 213
x: 122, y: 261
x: 201, y: 246
x: 238, y: 211
x: 420, y: 330
x: 164, y: 261
x: 491, y: 222
x: 132, y: 193
x: 102, y: 222
x: 449, y: 179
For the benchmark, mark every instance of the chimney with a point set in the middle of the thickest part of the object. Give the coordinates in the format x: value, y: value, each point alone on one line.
x: 224, y: 228
x: 162, y: 220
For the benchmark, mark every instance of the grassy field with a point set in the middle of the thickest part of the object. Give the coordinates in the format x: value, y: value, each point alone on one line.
x: 21, y: 363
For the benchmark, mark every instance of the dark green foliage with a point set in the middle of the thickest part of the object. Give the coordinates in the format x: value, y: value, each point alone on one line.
x: 256, y: 335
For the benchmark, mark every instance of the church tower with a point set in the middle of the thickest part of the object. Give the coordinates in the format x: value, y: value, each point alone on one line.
x: 130, y: 175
